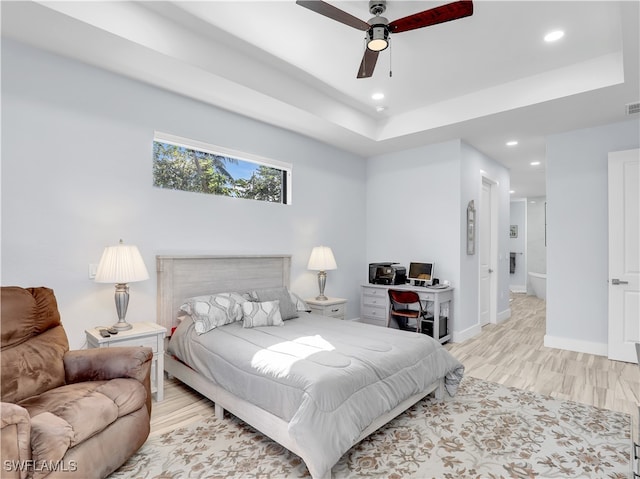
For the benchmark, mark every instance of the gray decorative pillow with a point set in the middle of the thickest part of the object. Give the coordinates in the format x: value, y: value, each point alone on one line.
x: 287, y: 307
x: 266, y: 313
x: 209, y: 312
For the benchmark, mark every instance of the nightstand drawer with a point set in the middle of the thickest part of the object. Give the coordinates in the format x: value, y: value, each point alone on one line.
x: 331, y: 307
x: 151, y: 342
x: 335, y: 311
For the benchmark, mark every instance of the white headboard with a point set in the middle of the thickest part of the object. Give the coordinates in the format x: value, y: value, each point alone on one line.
x: 181, y: 277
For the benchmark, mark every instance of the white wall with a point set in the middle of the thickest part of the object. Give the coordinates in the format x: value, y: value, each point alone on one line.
x: 76, y: 177
x: 577, y: 225
x: 518, y: 217
x: 416, y: 211
x: 474, y: 167
x: 412, y: 208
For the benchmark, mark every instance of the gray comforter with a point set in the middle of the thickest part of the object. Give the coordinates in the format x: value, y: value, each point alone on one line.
x: 329, y: 379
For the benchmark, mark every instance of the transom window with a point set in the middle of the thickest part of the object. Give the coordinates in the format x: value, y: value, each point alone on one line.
x: 190, y: 165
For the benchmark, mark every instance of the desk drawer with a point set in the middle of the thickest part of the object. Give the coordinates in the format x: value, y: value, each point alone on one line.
x: 376, y: 292
x: 375, y: 321
x: 149, y: 341
x: 379, y: 301
x: 376, y: 313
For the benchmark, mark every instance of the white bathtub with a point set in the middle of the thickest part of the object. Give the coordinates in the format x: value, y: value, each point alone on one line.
x: 538, y: 282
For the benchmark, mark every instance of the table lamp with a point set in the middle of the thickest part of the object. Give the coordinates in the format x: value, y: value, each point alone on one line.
x: 121, y: 264
x: 322, y: 260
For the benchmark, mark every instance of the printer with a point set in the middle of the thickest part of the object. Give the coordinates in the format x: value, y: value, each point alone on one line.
x: 387, y: 273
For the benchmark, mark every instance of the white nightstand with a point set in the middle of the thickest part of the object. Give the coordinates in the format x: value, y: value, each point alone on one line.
x: 332, y: 307
x: 142, y: 334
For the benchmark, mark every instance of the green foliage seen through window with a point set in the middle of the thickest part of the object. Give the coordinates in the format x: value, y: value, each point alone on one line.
x: 180, y: 168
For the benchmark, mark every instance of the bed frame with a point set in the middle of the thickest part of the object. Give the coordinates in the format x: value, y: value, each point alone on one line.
x: 180, y: 277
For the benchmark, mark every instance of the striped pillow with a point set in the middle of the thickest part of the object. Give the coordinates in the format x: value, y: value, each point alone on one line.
x: 209, y: 312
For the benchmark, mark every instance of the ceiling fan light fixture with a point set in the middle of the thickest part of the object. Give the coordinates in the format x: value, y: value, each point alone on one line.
x: 377, y: 37
x: 379, y: 28
x: 553, y: 36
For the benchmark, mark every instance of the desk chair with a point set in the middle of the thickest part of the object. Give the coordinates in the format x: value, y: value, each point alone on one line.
x: 400, y: 309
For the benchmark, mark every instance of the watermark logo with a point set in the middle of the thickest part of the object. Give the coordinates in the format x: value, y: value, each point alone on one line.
x: 33, y: 465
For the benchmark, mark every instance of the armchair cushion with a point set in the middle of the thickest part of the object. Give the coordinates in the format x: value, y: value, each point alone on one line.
x: 33, y: 343
x: 66, y: 416
x: 51, y: 437
x: 15, y: 431
x: 28, y: 312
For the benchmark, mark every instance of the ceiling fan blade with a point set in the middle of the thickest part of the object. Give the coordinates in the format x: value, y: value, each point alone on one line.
x: 433, y: 16
x: 334, y: 13
x: 368, y: 63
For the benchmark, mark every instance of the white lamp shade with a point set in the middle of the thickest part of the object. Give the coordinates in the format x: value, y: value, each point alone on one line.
x: 121, y: 264
x: 322, y: 259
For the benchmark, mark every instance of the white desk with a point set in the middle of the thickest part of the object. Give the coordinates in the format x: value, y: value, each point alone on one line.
x: 374, y: 306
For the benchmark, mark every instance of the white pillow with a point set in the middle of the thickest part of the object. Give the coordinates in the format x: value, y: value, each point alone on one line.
x: 300, y: 304
x: 257, y: 314
x: 209, y: 312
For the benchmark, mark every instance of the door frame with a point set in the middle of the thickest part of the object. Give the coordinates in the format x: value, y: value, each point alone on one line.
x: 493, y: 250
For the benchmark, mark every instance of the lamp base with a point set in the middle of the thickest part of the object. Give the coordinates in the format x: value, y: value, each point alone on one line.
x: 322, y: 280
x: 122, y: 302
x: 122, y: 326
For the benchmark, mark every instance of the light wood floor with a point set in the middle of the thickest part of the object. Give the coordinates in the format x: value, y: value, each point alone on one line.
x: 511, y: 353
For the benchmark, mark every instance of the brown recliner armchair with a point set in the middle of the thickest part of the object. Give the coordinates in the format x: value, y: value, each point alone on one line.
x: 65, y: 414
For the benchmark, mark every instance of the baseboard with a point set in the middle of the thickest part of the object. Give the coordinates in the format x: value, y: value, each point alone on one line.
x: 517, y: 288
x: 589, y: 347
x: 503, y: 316
x: 460, y: 336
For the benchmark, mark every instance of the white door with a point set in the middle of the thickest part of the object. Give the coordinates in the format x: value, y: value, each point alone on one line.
x: 485, y: 232
x: 624, y: 254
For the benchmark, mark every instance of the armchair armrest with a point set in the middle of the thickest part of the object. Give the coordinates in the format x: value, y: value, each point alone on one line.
x: 102, y: 364
x: 15, y: 440
x: 107, y: 363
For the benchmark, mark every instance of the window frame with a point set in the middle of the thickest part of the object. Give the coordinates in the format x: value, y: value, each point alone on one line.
x: 286, y: 168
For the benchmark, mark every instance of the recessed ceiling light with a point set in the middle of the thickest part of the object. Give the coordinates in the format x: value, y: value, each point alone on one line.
x: 512, y: 191
x: 377, y: 96
x: 554, y: 36
x: 380, y: 108
x: 534, y: 163
x: 512, y: 143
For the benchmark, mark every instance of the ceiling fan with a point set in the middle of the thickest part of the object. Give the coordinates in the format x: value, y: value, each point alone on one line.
x: 379, y: 28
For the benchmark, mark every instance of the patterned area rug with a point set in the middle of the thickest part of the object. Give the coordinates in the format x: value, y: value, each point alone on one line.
x: 485, y: 431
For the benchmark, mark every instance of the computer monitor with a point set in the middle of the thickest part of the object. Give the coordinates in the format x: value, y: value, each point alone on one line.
x: 421, y: 273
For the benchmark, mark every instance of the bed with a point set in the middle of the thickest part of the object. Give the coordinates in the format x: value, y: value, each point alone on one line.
x: 315, y: 385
